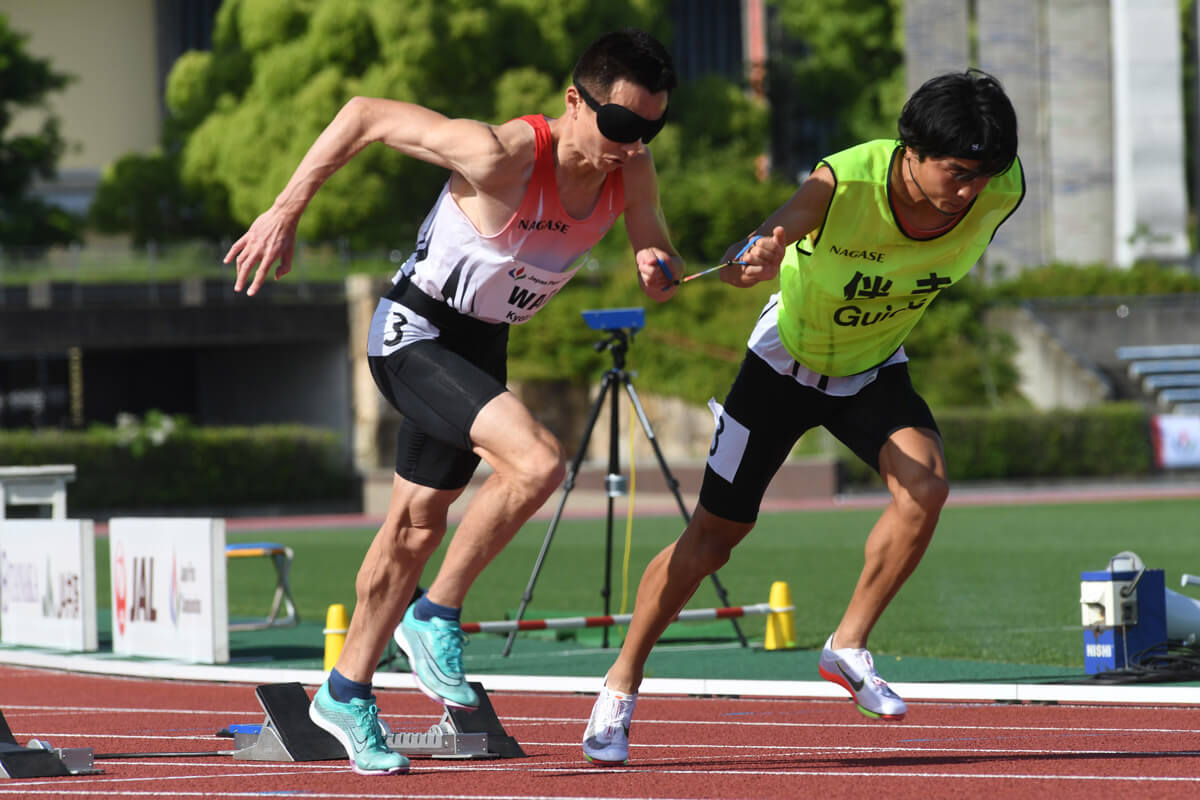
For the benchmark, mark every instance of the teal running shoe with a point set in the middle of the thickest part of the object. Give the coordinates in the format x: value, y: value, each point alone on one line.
x: 356, y: 726
x: 435, y: 652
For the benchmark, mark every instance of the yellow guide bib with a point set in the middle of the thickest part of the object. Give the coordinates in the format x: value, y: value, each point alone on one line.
x: 851, y: 291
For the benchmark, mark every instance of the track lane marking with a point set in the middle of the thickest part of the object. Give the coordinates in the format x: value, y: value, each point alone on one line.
x: 884, y: 726
x: 28, y: 789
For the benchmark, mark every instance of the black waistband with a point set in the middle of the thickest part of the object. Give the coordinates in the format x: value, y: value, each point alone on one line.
x: 438, y: 312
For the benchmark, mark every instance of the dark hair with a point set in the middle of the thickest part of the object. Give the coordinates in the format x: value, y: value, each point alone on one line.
x: 962, y: 115
x: 631, y: 54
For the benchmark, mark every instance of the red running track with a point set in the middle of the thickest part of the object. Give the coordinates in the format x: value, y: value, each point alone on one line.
x: 684, y: 747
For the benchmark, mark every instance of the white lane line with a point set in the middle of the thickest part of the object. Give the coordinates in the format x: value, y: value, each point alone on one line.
x: 102, y: 710
x: 98, y: 782
x: 879, y: 726
x: 54, y: 736
x: 723, y: 720
x: 776, y: 751
x: 41, y: 787
x: 919, y: 775
x: 787, y: 749
x: 891, y: 727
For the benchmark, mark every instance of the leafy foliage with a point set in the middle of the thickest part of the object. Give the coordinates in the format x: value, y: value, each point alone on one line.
x: 838, y: 77
x: 1107, y: 440
x: 25, y: 81
x: 162, y: 463
x: 1096, y: 280
x: 1110, y: 440
x: 143, y: 195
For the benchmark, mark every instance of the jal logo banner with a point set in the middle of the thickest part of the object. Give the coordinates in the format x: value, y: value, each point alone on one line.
x: 1176, y: 440
x: 168, y: 588
x: 48, y: 583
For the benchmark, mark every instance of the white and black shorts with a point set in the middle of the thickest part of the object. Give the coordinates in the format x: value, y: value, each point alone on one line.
x: 439, y: 381
x: 766, y: 412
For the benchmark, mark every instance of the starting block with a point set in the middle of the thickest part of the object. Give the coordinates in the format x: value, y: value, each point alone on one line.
x: 39, y: 760
x: 287, y: 733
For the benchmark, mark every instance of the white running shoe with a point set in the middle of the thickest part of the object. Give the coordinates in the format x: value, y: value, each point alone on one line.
x: 853, y: 669
x: 606, y: 740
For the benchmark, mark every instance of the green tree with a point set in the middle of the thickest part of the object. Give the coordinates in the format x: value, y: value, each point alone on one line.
x: 145, y: 196
x: 25, y: 81
x: 837, y: 76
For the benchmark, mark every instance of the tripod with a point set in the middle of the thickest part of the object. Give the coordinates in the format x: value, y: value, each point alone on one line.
x: 617, y: 343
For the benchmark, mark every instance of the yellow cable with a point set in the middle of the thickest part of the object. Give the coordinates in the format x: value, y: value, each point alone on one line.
x: 629, y: 515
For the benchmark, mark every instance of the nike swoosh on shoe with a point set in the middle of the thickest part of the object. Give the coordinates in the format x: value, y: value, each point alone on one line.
x: 359, y: 743
x: 857, y: 684
x: 437, y: 668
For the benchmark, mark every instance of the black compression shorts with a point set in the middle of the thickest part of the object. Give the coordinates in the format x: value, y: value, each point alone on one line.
x: 439, y: 386
x: 766, y: 413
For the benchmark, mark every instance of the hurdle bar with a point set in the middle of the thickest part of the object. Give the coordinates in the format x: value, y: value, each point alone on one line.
x: 504, y: 626
x: 281, y: 557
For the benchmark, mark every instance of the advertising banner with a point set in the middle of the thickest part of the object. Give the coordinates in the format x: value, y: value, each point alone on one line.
x: 168, y: 588
x: 1176, y: 440
x: 48, y: 583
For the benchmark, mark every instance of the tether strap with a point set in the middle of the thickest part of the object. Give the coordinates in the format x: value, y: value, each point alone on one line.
x: 438, y: 312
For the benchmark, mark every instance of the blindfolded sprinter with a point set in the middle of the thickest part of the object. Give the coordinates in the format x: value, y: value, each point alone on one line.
x: 524, y: 203
x: 878, y: 231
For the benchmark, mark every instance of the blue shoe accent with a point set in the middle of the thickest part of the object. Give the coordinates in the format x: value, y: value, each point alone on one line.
x: 356, y: 725
x: 435, y: 652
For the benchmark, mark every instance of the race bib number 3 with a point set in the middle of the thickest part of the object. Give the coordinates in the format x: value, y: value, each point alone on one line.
x: 728, y: 442
x: 401, y: 327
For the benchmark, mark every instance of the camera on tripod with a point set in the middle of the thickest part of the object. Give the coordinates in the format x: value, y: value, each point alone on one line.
x: 615, y: 319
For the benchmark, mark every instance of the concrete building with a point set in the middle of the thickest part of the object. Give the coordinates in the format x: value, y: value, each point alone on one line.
x: 1098, y: 91
x: 118, y: 53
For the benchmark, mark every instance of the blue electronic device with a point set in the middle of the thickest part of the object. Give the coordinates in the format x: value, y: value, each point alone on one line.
x: 614, y: 319
x: 1124, y: 615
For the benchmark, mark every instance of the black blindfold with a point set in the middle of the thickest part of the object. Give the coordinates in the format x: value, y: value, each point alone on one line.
x: 617, y: 123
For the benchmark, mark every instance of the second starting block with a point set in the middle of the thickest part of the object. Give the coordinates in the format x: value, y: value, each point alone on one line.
x: 287, y: 733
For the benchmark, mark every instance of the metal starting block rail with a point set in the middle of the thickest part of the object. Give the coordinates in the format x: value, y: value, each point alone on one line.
x: 288, y: 734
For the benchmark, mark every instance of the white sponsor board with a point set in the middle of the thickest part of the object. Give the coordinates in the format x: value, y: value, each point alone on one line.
x: 1176, y: 440
x: 168, y: 588
x: 48, y: 583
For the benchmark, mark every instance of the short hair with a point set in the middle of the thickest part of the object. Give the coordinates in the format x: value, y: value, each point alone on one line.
x: 629, y: 54
x: 962, y: 115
